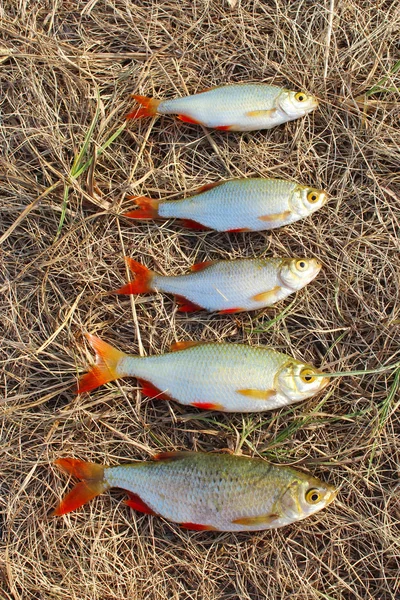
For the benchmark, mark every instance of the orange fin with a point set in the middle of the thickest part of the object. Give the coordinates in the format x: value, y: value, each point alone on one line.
x: 223, y: 127
x: 148, y: 389
x: 148, y: 109
x: 276, y: 217
x: 262, y: 113
x: 201, y: 265
x: 197, y: 527
x: 106, y: 367
x: 148, y: 208
x: 257, y: 394
x: 238, y: 230
x: 186, y: 305
x: 92, y: 485
x: 177, y: 346
x: 229, y: 311
x: 260, y: 520
x: 142, y: 282
x: 209, y: 186
x: 190, y: 224
x: 269, y: 296
x: 178, y: 455
x: 208, y: 406
x: 134, y: 501
x: 187, y: 119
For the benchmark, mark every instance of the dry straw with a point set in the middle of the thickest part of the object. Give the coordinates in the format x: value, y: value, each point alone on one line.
x: 67, y: 162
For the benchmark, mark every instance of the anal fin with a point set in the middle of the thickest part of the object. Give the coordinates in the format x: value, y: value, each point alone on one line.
x: 186, y: 305
x: 190, y: 224
x: 230, y: 311
x: 187, y: 119
x: 150, y: 390
x: 197, y: 527
x: 208, y: 406
x: 135, y: 502
x: 238, y: 230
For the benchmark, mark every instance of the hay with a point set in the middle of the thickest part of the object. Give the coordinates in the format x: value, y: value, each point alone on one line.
x: 67, y: 69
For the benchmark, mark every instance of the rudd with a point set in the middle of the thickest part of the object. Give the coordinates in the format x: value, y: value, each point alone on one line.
x: 211, y: 376
x: 227, y: 286
x: 237, y: 205
x: 201, y: 491
x: 240, y: 107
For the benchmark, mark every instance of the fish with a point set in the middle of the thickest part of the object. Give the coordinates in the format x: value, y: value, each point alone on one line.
x: 237, y: 107
x: 227, y: 286
x: 203, y: 491
x: 253, y: 204
x: 209, y: 375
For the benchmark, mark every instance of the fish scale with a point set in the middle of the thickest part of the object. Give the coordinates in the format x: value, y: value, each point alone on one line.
x: 227, y: 284
x: 236, y: 204
x: 213, y: 373
x: 213, y: 490
x: 240, y: 107
x: 219, y: 376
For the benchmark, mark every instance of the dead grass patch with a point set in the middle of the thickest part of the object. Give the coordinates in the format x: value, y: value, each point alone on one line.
x: 67, y: 66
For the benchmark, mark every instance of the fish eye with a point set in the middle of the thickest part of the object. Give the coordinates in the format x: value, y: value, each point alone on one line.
x: 313, y: 496
x: 301, y: 265
x: 301, y: 96
x: 307, y: 375
x: 312, y: 196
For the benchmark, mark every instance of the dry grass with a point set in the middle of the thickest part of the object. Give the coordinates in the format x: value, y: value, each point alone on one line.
x: 68, y: 65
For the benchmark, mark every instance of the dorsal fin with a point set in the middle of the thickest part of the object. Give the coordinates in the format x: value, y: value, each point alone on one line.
x: 176, y: 346
x: 178, y: 455
x: 201, y: 265
x: 208, y: 186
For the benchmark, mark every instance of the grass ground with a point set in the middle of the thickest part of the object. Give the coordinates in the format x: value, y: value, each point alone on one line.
x: 67, y: 163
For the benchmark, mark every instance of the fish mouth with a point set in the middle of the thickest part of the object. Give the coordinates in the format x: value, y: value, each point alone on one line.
x: 313, y: 104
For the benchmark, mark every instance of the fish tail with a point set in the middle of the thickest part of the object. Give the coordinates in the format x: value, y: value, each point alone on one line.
x: 92, y: 484
x: 148, y: 107
x: 106, y: 367
x: 142, y: 282
x: 148, y: 208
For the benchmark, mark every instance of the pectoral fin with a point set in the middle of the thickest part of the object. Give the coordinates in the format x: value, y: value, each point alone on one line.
x: 267, y: 297
x: 262, y: 113
x: 257, y: 394
x: 276, y: 217
x: 260, y: 520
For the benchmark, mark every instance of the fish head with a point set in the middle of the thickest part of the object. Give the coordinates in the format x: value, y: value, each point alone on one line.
x: 296, y: 104
x: 298, y: 381
x: 295, y: 273
x: 306, y: 200
x: 304, y: 496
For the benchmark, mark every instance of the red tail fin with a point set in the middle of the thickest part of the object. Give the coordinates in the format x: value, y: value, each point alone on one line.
x: 106, y: 367
x: 92, y: 485
x: 142, y: 282
x: 149, y: 107
x: 148, y: 208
